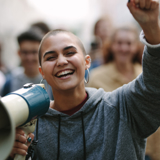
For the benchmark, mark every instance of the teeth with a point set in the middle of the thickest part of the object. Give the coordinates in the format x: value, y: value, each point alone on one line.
x: 64, y: 72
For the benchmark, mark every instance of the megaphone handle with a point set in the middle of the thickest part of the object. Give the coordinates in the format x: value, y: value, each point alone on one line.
x: 27, y: 128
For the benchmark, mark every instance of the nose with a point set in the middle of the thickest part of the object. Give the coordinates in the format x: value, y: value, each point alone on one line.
x: 125, y: 48
x: 61, y: 60
x: 31, y: 56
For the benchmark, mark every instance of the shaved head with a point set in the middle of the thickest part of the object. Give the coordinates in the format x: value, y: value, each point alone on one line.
x: 55, y: 32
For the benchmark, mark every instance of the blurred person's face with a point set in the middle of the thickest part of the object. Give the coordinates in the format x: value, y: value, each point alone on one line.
x: 124, y: 46
x: 63, y: 62
x: 28, y: 53
x: 103, y: 30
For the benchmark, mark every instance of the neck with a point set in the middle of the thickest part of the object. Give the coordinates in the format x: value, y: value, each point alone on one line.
x: 125, y: 68
x: 31, y: 73
x: 66, y: 100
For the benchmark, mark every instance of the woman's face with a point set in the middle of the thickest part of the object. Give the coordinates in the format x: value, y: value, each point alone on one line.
x: 63, y: 62
x: 124, y: 46
x: 103, y: 29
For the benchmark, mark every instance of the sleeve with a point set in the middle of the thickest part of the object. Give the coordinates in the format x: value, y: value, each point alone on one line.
x: 139, y: 101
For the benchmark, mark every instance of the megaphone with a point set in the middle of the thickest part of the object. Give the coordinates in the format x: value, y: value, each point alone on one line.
x: 17, y: 109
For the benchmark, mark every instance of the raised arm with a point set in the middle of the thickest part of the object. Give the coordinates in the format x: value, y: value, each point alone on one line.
x: 141, y: 97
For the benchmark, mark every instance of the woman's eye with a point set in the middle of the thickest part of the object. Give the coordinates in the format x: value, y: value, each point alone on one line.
x: 50, y: 58
x: 70, y: 53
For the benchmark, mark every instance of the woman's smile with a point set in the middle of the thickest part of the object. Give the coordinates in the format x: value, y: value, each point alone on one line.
x: 64, y: 74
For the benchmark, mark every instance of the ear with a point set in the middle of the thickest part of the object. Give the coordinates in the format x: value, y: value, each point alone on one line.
x: 41, y: 72
x: 19, y: 53
x: 87, y: 62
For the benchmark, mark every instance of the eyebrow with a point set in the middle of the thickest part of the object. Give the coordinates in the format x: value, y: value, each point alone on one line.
x: 68, y: 47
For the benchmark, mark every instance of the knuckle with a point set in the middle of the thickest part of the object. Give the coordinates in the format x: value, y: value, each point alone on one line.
x: 19, y: 131
x: 19, y: 144
x: 23, y: 139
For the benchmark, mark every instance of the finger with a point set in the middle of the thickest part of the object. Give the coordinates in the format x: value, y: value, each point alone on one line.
x: 142, y: 4
x: 19, y: 151
x: 31, y: 137
x: 134, y: 4
x: 136, y: 1
x: 148, y: 4
x: 131, y: 6
x: 21, y: 138
x: 20, y: 131
x: 154, y: 5
x: 21, y: 146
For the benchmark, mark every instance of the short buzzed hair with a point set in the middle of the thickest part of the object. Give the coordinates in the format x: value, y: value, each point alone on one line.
x: 57, y: 31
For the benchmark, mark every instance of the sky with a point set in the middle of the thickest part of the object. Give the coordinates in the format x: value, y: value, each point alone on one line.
x: 62, y: 10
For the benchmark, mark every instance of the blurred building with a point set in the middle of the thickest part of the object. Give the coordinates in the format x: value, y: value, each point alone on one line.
x: 78, y: 16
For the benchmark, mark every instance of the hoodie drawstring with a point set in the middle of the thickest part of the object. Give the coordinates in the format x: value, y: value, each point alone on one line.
x: 84, y: 138
x: 59, y: 128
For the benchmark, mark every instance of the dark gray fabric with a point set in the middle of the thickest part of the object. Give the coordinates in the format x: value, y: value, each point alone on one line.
x: 116, y: 124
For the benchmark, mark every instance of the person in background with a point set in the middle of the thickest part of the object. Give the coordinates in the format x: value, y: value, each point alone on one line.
x: 44, y: 29
x: 42, y: 26
x: 28, y: 53
x: 122, y: 62
x: 103, y: 29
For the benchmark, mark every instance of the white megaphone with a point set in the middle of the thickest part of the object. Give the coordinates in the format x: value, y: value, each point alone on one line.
x: 18, y: 109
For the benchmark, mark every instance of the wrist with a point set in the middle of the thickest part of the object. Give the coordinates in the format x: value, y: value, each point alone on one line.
x: 152, y: 32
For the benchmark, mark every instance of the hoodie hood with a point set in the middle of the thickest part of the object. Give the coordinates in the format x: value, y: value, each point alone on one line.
x: 94, y: 97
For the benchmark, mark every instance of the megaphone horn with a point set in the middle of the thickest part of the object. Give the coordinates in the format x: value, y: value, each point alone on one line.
x: 17, y: 109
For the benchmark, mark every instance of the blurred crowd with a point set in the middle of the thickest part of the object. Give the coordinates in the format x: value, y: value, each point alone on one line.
x: 116, y: 55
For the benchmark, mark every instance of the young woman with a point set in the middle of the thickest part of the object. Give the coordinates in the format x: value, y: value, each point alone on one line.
x: 122, y: 61
x: 85, y: 123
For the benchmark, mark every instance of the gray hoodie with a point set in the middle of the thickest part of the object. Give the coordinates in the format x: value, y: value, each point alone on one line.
x: 110, y: 125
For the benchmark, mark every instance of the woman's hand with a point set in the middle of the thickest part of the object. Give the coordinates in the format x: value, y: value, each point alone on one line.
x: 21, y: 144
x: 146, y: 13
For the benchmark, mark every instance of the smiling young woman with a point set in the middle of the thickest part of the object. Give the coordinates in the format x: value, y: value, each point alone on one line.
x: 86, y: 123
x: 63, y: 64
